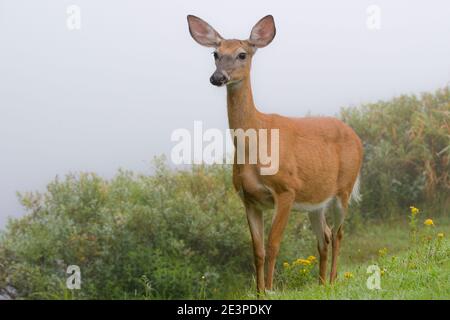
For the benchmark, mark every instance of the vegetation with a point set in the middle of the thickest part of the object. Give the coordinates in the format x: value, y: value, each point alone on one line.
x: 183, y: 234
x: 407, y: 152
x: 420, y: 272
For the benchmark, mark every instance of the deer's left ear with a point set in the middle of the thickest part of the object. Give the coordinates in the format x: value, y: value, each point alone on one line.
x: 263, y: 32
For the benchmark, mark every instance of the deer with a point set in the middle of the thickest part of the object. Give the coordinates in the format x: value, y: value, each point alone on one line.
x: 320, y: 158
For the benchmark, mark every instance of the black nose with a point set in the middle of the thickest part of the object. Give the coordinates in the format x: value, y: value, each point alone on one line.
x: 218, y: 78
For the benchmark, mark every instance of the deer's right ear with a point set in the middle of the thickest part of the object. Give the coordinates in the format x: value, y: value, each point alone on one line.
x: 203, y: 33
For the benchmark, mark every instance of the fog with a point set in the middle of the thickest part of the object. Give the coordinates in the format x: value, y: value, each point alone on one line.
x: 110, y: 94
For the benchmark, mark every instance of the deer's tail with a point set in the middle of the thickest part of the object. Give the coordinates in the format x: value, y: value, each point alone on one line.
x: 356, y: 194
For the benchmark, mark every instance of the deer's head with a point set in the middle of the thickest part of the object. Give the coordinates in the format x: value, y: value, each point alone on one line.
x: 232, y: 57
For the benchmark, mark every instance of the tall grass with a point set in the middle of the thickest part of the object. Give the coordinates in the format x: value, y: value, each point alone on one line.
x: 407, y: 152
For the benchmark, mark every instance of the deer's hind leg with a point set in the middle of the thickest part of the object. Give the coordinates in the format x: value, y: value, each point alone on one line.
x: 323, y: 234
x: 337, y: 233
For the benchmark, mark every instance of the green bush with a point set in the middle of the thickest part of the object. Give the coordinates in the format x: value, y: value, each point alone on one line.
x: 406, y: 152
x: 176, y: 234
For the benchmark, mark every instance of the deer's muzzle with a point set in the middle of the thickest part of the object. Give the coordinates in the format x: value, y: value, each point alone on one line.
x: 219, y: 78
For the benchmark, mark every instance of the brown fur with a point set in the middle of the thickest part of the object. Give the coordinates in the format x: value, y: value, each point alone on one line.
x: 320, y: 158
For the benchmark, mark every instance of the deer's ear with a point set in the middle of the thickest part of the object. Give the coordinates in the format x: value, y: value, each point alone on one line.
x: 263, y: 32
x: 203, y: 33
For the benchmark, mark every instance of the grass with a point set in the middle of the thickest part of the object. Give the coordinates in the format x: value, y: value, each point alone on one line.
x: 409, y: 275
x: 409, y: 269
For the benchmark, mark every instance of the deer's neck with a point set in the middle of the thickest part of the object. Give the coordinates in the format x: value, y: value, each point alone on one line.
x: 242, y: 113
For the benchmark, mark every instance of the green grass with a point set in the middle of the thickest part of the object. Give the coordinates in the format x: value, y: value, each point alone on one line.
x: 410, y: 275
x: 418, y: 270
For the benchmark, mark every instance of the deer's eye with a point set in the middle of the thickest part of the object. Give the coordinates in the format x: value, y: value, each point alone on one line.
x: 216, y: 55
x: 242, y: 56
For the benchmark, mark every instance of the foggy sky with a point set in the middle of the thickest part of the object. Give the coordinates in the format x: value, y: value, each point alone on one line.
x: 110, y: 94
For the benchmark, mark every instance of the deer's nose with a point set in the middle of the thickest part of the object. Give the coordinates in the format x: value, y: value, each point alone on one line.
x: 218, y: 78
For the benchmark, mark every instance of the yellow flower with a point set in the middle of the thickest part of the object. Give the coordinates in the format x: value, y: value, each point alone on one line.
x: 286, y: 265
x: 300, y: 262
x: 382, y: 252
x: 440, y: 235
x: 303, y: 262
x: 382, y: 272
x: 311, y: 258
x: 348, y: 275
x: 414, y: 210
x: 428, y: 222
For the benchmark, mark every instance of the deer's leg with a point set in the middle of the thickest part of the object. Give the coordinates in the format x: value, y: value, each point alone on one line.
x: 323, y: 234
x: 283, y: 204
x: 256, y: 224
x: 337, y: 233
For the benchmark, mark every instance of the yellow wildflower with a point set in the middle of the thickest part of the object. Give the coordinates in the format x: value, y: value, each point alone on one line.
x: 286, y: 265
x: 295, y: 262
x: 428, y: 222
x: 414, y: 210
x: 303, y: 262
x: 440, y: 235
x: 348, y: 275
x: 382, y: 252
x: 311, y: 258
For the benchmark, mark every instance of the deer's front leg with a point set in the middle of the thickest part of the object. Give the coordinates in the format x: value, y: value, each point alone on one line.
x: 256, y: 224
x: 283, y: 205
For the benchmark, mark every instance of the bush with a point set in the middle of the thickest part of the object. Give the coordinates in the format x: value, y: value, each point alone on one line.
x: 176, y: 234
x: 406, y: 152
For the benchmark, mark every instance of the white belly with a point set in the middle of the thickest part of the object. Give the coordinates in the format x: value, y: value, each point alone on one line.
x: 305, y: 206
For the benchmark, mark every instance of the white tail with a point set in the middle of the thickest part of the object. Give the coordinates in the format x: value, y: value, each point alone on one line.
x: 356, y: 194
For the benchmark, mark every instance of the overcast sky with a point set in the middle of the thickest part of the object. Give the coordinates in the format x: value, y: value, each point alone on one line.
x: 110, y: 94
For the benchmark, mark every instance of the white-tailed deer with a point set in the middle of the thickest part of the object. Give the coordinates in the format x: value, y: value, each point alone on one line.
x: 319, y: 158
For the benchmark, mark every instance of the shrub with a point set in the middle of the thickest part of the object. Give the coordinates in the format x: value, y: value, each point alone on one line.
x: 407, y: 151
x: 175, y: 234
